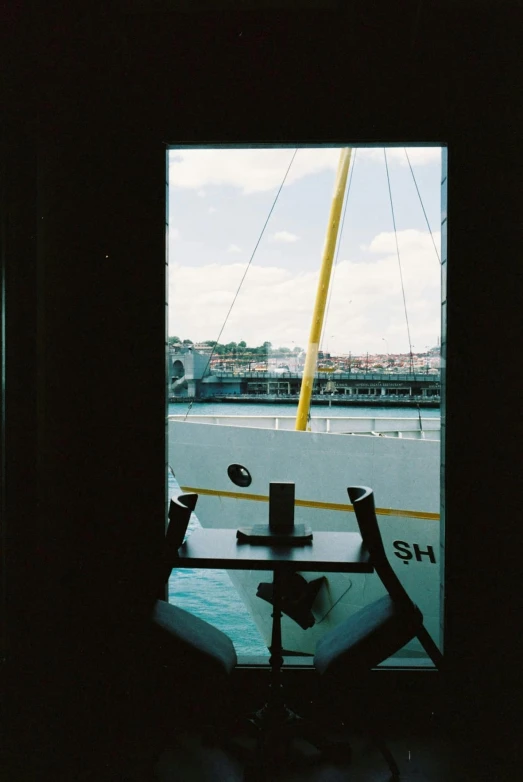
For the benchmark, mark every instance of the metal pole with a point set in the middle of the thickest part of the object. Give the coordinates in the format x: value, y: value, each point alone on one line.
x: 322, y: 291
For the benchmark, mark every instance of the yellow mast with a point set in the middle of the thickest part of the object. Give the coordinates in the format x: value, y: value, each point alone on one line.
x: 322, y: 291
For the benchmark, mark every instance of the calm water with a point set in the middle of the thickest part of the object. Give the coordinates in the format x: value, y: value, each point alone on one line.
x: 209, y: 593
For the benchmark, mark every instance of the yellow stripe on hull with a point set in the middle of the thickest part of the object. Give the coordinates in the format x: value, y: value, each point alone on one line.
x: 234, y: 495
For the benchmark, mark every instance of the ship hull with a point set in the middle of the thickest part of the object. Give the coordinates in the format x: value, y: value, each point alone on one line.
x: 403, y: 471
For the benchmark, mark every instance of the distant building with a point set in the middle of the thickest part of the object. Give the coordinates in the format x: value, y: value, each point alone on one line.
x: 202, y: 347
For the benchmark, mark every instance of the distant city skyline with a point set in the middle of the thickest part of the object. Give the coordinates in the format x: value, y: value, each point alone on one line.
x: 275, y: 349
x: 219, y: 201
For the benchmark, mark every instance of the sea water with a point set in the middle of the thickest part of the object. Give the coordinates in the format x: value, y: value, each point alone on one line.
x: 210, y: 594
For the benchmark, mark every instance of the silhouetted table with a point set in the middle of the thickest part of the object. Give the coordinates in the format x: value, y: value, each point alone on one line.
x: 329, y: 552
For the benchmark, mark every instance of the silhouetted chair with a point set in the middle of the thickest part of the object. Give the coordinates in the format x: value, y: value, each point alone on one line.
x: 378, y: 630
x: 195, y: 658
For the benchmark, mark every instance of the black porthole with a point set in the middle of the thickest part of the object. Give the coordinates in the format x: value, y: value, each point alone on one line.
x: 239, y: 475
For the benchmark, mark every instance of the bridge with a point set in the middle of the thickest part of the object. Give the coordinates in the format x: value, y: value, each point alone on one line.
x: 191, y: 379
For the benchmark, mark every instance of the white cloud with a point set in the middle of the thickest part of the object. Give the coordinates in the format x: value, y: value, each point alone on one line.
x: 409, y: 241
x: 252, y: 170
x: 174, y: 233
x: 212, y: 210
x: 233, y: 248
x: 257, y: 170
x: 283, y: 236
x: 274, y: 304
x: 201, y: 193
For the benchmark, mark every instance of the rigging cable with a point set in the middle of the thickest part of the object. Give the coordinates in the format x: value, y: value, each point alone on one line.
x: 419, y: 416
x: 399, y: 261
x: 245, y: 272
x: 421, y: 202
x: 325, y: 615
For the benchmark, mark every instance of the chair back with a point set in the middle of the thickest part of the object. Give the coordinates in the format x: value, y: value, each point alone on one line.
x: 362, y: 499
x: 180, y: 509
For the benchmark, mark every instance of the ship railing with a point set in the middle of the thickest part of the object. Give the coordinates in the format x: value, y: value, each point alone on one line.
x: 387, y: 427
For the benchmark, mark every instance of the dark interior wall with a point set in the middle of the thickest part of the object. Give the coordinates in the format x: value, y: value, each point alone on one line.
x: 85, y: 438
x: 84, y: 520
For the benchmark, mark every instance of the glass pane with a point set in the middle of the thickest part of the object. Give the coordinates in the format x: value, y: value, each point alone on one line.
x: 248, y: 229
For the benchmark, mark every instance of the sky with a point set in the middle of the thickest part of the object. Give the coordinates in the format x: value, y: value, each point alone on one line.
x: 218, y: 203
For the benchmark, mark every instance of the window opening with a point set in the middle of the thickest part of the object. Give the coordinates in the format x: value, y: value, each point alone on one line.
x: 246, y: 227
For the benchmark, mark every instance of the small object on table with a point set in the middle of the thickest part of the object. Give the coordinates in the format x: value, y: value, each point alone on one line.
x: 281, y: 529
x: 281, y: 507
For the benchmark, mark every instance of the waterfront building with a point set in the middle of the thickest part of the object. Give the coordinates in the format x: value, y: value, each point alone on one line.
x: 192, y: 377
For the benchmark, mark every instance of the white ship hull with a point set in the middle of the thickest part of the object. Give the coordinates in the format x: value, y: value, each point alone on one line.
x: 402, y: 467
